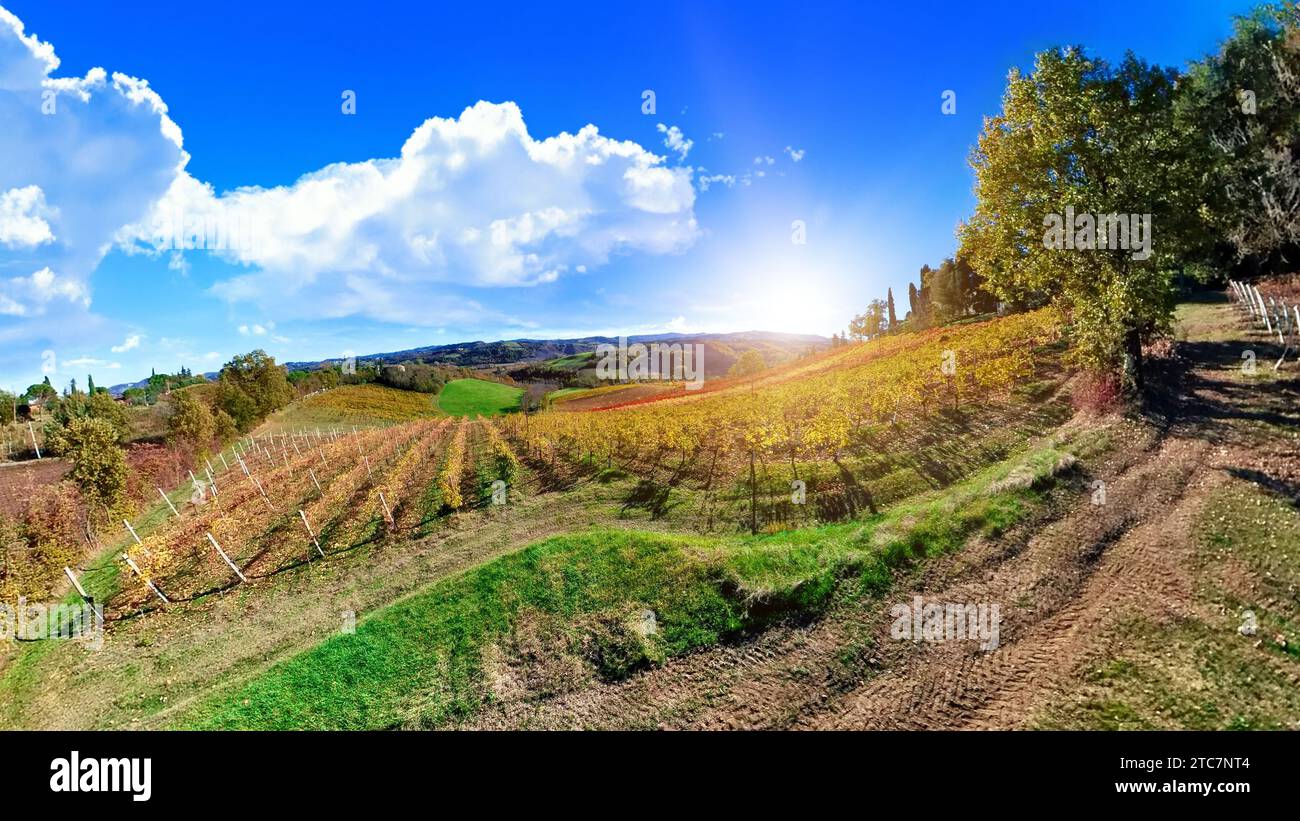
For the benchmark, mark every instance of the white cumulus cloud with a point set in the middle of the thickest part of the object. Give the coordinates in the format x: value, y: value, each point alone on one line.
x: 22, y: 217
x: 79, y: 158
x: 129, y: 344
x: 675, y: 140
x: 473, y: 201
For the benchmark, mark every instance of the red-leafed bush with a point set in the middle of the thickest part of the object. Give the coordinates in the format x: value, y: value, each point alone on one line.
x: 1097, y: 392
x: 156, y: 466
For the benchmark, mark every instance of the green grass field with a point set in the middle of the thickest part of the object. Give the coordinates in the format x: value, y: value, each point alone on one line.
x: 475, y: 397
x: 575, y: 361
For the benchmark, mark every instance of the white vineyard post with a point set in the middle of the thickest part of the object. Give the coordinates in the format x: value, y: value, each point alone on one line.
x: 35, y: 446
x: 82, y: 592
x: 1263, y: 310
x: 72, y: 578
x: 131, y: 530
x: 224, y: 463
x: 388, y: 514
x: 169, y: 503
x: 227, y: 558
x: 369, y: 475
x: 265, y: 498
x: 314, y: 480
x: 135, y: 568
x: 1292, y: 329
x: 314, y: 541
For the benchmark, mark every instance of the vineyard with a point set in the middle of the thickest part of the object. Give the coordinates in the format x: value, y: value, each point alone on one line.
x: 812, y: 426
x: 353, y: 405
x: 808, y: 442
x: 286, y: 499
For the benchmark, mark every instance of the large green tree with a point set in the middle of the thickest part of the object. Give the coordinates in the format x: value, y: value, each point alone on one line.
x: 1078, y: 139
x: 98, y: 463
x: 1240, y: 109
x: 250, y: 387
x: 191, y: 423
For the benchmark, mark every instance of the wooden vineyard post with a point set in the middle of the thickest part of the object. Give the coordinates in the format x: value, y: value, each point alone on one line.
x: 227, y: 558
x: 314, y: 541
x: 169, y: 503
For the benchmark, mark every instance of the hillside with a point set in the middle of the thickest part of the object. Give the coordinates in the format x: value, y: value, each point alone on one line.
x: 531, y: 610
x: 721, y: 350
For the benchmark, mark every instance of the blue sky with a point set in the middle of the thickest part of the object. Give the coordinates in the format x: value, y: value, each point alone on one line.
x: 852, y: 90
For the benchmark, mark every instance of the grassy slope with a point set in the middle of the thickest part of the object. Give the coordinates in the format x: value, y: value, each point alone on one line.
x: 573, y: 362
x: 421, y: 661
x: 1201, y: 673
x: 475, y: 397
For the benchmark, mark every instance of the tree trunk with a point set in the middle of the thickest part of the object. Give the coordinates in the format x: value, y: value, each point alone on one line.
x: 1133, y: 357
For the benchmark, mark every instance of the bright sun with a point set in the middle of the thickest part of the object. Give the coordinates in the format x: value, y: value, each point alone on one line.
x: 789, y: 307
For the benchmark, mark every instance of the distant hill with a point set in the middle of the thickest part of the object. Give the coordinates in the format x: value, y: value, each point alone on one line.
x: 118, y: 390
x: 720, y: 351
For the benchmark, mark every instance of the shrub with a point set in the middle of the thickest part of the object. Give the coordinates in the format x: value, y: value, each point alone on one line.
x: 1096, y: 392
x: 98, y: 464
x: 191, y: 423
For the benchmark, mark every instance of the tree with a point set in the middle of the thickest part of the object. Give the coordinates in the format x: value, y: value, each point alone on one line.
x: 1075, y: 140
x: 251, y: 387
x: 98, y: 464
x: 90, y: 384
x: 749, y: 364
x: 947, y: 292
x: 8, y: 407
x: 1237, y: 110
x: 191, y: 423
x: 869, y: 324
x: 102, y: 406
x: 893, y: 318
x: 42, y: 391
x: 223, y: 426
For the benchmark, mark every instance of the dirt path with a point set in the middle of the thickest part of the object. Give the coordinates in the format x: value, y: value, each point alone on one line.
x: 1064, y: 586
